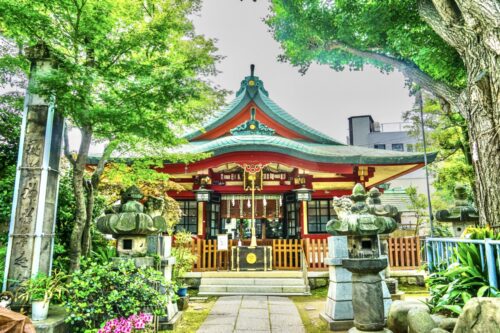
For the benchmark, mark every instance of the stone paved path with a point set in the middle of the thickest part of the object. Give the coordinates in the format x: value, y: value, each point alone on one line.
x: 257, y: 314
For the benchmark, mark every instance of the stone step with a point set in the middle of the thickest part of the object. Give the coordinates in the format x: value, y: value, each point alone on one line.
x: 253, y: 281
x: 219, y: 293
x: 206, y: 290
x: 253, y: 274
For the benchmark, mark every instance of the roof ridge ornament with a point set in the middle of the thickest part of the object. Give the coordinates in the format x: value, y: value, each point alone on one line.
x: 252, y: 127
x: 252, y: 85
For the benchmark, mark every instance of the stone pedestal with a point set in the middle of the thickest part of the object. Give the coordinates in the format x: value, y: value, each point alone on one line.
x: 338, y: 309
x: 167, y: 262
x: 367, y: 296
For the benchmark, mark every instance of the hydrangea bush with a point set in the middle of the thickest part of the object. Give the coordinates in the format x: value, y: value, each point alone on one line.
x: 141, y: 322
x: 100, y: 293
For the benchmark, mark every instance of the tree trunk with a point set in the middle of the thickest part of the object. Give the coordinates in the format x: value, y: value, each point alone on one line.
x: 80, y: 199
x: 471, y: 27
x: 87, y: 237
x: 483, y: 115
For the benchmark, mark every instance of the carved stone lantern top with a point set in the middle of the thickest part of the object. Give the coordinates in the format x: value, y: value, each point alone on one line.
x: 463, y: 211
x: 356, y: 217
x: 130, y: 218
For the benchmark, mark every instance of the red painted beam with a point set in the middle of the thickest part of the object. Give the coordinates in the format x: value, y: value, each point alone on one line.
x: 256, y: 157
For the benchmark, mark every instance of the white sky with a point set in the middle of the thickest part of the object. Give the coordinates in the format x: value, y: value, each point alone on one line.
x: 323, y: 98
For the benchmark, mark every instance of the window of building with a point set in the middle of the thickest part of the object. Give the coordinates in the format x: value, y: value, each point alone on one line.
x: 319, y: 212
x: 398, y: 147
x: 409, y: 147
x: 379, y: 146
x: 189, y: 219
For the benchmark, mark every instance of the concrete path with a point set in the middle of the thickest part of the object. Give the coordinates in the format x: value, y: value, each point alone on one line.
x: 253, y: 314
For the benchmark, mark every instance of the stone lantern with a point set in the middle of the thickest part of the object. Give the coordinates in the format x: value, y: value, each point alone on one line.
x: 362, y: 223
x: 463, y: 215
x: 130, y: 225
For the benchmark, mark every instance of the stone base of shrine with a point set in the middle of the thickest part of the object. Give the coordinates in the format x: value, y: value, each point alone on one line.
x: 54, y: 322
x: 337, y: 325
x: 171, y: 324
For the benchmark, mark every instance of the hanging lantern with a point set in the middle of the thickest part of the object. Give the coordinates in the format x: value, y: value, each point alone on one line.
x: 202, y: 194
x: 303, y: 194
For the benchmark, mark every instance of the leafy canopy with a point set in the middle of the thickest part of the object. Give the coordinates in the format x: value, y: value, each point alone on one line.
x: 320, y: 30
x: 126, y: 70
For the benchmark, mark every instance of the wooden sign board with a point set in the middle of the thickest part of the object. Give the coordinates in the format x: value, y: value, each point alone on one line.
x: 222, y: 242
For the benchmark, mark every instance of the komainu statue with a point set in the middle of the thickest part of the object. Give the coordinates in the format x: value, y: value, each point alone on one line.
x: 357, y: 217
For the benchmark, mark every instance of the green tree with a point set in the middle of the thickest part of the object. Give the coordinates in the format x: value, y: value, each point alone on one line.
x: 127, y: 73
x: 418, y: 204
x: 448, y: 47
x: 446, y: 133
x: 11, y: 103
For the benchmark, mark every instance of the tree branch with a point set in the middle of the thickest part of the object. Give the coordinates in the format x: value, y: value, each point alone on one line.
x: 67, y: 153
x: 448, y: 11
x: 410, y: 70
x: 449, y: 31
x: 486, y: 11
x: 108, y: 150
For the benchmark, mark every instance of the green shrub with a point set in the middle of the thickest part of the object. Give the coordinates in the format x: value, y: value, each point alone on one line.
x: 184, y: 258
x: 42, y: 287
x: 101, y: 292
x: 451, y: 287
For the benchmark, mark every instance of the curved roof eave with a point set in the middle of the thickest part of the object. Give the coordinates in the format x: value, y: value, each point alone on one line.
x: 339, y: 154
x: 222, y: 116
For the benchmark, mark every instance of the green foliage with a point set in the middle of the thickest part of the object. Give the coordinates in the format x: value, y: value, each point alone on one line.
x: 481, y: 233
x: 184, y: 258
x: 65, y: 221
x: 3, y: 253
x: 447, y: 134
x: 452, y: 287
x: 10, y: 125
x: 7, y: 179
x: 127, y: 71
x: 42, y: 287
x: 103, y: 255
x: 317, y: 31
x: 104, y: 291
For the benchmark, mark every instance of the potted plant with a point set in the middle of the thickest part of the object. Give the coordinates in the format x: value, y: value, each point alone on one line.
x: 39, y: 290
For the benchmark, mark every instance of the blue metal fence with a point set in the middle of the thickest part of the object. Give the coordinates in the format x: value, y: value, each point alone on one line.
x: 440, y: 251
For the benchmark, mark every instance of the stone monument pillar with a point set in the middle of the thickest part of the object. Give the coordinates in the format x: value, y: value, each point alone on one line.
x: 31, y: 231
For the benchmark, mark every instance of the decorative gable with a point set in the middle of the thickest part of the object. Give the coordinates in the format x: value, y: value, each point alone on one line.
x: 252, y: 127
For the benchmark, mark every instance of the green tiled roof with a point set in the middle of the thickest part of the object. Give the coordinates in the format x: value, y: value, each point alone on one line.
x: 397, y: 197
x: 260, y: 96
x: 316, y: 152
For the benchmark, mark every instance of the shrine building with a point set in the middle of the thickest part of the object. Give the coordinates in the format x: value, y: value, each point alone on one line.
x: 296, y: 171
